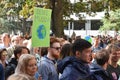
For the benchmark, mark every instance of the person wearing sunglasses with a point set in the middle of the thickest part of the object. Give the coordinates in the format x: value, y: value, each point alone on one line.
x: 47, y: 66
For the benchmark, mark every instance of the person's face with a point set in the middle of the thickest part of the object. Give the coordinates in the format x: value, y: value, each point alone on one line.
x: 16, y: 41
x: 115, y: 55
x: 21, y: 40
x: 97, y: 41
x: 55, y: 50
x: 31, y: 67
x: 24, y: 51
x: 85, y: 55
x: 6, y: 39
x: 4, y: 55
x: 36, y: 50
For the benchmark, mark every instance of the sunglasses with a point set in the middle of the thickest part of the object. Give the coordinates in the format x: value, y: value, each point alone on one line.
x: 57, y: 48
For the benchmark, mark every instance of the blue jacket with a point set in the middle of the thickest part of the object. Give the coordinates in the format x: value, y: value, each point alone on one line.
x: 98, y: 72
x: 1, y: 72
x: 73, y: 69
x: 47, y: 69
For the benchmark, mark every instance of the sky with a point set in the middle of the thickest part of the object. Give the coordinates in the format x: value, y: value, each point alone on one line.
x: 72, y: 1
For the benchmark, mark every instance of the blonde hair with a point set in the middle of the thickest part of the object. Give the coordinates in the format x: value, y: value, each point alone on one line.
x: 18, y: 77
x: 23, y: 63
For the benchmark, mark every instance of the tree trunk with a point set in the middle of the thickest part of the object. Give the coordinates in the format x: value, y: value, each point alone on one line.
x: 57, y: 18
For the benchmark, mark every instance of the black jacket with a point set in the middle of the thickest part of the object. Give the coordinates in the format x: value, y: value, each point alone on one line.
x: 10, y: 68
x: 1, y: 72
x: 98, y: 72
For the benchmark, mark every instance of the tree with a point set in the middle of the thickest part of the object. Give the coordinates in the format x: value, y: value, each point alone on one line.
x: 57, y: 17
x: 61, y: 10
x: 113, y: 22
x: 9, y: 14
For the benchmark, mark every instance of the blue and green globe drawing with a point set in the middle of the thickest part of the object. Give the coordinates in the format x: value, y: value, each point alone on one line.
x: 41, y: 31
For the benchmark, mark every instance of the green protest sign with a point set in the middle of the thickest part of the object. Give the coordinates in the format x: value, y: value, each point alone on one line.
x: 41, y: 27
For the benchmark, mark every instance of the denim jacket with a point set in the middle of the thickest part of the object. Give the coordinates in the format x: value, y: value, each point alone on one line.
x: 47, y: 69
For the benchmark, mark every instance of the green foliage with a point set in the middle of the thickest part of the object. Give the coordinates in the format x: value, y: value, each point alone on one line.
x: 67, y: 9
x: 113, y: 22
x: 114, y: 4
x: 6, y: 26
x: 79, y: 7
x: 23, y: 9
x: 97, y: 6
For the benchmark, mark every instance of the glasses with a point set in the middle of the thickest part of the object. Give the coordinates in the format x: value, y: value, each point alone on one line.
x: 57, y: 48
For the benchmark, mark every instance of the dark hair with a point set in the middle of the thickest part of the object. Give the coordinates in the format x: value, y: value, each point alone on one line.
x: 18, y: 50
x: 44, y: 51
x: 102, y: 57
x: 80, y: 45
x: 66, y: 50
x: 1, y: 51
x: 23, y: 47
x: 52, y: 34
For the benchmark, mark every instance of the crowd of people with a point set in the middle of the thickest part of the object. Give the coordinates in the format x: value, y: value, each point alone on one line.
x: 73, y: 59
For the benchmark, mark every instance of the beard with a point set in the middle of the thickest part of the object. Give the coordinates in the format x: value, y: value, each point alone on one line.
x: 56, y: 55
